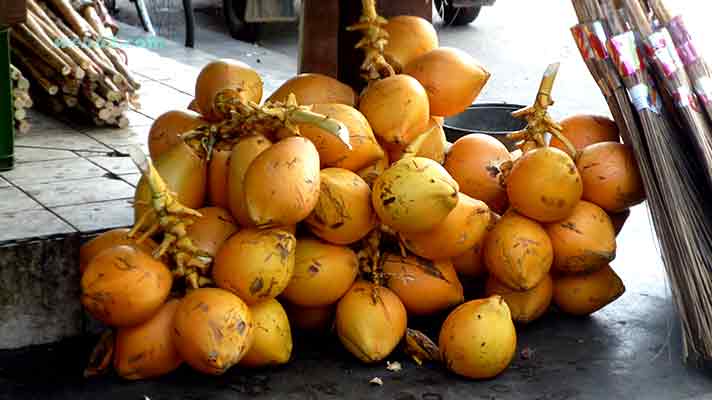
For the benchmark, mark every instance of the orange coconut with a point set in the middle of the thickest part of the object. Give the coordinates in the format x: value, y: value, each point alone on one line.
x: 463, y: 228
x: 147, y: 350
x: 311, y: 88
x: 244, y: 152
x: 433, y: 147
x: 226, y: 76
x: 584, y: 129
x: 364, y: 151
x: 272, y: 339
x: 212, y: 330
x: 322, y: 273
x: 185, y: 174
x: 610, y: 175
x: 525, y: 306
x: 544, y: 185
x: 583, y: 242
x: 373, y: 171
x: 370, y: 321
x: 291, y: 167
x: 396, y: 107
x: 478, y: 339
x: 311, y: 319
x: 471, y: 263
x: 114, y: 237
x: 414, y: 195
x: 474, y: 161
x: 518, y: 251
x: 256, y: 264
x: 167, y: 129
x: 218, y: 170
x: 584, y: 294
x: 619, y: 220
x: 409, y: 37
x: 123, y: 286
x: 210, y: 231
x: 411, y: 277
x: 452, y: 78
x: 343, y: 214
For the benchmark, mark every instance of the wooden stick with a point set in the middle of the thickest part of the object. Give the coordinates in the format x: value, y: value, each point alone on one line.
x: 40, y: 71
x: 123, y: 122
x: 22, y: 126
x: 20, y: 114
x: 49, y: 87
x: 93, y: 97
x: 105, y: 17
x: 121, y: 67
x: 92, y: 17
x: 23, y: 83
x: 24, y: 35
x: 78, y: 24
x: 70, y: 101
x: 15, y: 73
x: 51, y: 40
x: 58, y: 36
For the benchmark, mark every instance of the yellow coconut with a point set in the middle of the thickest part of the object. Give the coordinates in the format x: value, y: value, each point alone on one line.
x: 364, y: 151
x: 311, y: 88
x: 218, y: 170
x: 525, y: 306
x: 147, y: 350
x: 474, y: 161
x: 463, y: 228
x: 167, y: 129
x: 584, y: 294
x: 583, y: 242
x: 478, y: 339
x: 310, y: 319
x: 518, y: 251
x: 185, y: 174
x: 471, y: 263
x: 282, y: 183
x: 414, y: 195
x: 123, y: 286
x: 370, y: 173
x: 114, y: 237
x: 370, y: 321
x: 411, y: 277
x: 226, y: 76
x: 272, y: 343
x: 212, y: 330
x: 452, y: 78
x: 396, y: 107
x: 210, y: 231
x: 544, y: 185
x: 243, y: 153
x: 408, y: 38
x: 586, y: 129
x: 256, y: 264
x: 343, y: 214
x: 433, y: 147
x: 322, y: 273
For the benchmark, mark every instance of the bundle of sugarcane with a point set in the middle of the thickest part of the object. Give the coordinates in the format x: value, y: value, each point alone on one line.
x: 68, y: 51
x: 21, y: 99
x: 671, y: 141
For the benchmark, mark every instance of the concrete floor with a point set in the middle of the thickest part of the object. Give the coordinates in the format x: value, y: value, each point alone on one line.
x: 629, y: 350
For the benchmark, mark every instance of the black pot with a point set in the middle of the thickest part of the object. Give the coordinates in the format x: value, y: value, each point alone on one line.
x: 494, y: 119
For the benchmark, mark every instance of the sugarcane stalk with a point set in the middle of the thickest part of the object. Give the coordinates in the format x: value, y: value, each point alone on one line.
x: 39, y: 76
x: 27, y: 38
x: 78, y: 24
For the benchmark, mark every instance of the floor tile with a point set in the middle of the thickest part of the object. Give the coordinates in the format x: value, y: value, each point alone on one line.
x: 61, y: 141
x: 4, y: 183
x: 131, y: 179
x: 31, y: 224
x: 157, y: 98
x: 43, y: 122
x: 137, y: 119
x: 68, y: 193
x: 52, y: 171
x: 120, y: 137
x: 32, y: 154
x: 116, y: 165
x: 14, y: 200
x: 98, y: 216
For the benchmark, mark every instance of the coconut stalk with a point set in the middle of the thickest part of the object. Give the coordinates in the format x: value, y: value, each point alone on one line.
x: 373, y: 43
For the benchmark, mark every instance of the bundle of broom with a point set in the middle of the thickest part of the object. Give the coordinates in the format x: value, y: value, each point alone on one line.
x: 672, y: 141
x: 21, y: 100
x: 68, y: 51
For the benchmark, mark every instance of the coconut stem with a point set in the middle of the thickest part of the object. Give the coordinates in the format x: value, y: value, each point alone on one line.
x: 539, y: 122
x: 102, y: 355
x: 173, y: 219
x: 373, y: 43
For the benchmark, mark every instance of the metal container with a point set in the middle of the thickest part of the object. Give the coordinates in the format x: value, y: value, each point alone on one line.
x: 494, y: 119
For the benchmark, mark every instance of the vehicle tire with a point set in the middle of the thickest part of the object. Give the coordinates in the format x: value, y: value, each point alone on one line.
x: 234, y: 11
x: 456, y: 16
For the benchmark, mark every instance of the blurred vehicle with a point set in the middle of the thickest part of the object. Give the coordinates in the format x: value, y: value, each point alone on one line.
x: 460, y: 12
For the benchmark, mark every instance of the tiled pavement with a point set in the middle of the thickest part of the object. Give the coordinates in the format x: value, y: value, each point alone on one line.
x: 73, y: 178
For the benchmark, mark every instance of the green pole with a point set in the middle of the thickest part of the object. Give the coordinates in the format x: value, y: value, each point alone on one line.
x: 7, y: 122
